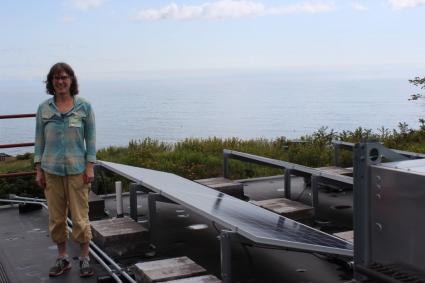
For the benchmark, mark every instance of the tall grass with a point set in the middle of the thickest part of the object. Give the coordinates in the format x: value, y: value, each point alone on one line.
x: 197, y: 158
x: 201, y: 158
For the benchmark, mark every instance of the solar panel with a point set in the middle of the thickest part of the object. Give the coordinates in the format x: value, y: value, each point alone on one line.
x: 248, y: 220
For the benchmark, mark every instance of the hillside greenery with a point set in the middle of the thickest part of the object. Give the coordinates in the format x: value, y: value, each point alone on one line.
x: 195, y: 158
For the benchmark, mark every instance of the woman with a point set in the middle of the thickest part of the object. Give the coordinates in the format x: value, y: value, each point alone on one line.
x: 64, y: 155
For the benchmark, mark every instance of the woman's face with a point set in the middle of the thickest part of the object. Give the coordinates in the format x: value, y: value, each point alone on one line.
x: 62, y: 83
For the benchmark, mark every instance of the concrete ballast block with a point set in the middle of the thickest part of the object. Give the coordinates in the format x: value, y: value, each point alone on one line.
x: 288, y: 208
x: 120, y: 236
x: 224, y: 185
x: 166, y: 269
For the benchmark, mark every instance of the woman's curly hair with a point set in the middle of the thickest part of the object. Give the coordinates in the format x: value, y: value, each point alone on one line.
x: 57, y: 68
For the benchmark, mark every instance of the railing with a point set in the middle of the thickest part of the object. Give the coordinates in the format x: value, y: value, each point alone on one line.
x: 14, y: 145
x: 315, y: 175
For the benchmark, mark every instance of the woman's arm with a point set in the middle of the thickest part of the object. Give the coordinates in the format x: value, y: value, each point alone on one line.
x: 90, y: 138
x: 39, y: 148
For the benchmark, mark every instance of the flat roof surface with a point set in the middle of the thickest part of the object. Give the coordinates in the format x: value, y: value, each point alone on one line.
x: 27, y: 252
x: 175, y: 237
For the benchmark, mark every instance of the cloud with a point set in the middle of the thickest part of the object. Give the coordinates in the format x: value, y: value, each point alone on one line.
x: 228, y: 9
x: 87, y: 4
x: 402, y: 4
x: 68, y: 19
x: 358, y: 7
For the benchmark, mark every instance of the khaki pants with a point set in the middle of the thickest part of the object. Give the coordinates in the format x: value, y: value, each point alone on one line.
x: 63, y: 193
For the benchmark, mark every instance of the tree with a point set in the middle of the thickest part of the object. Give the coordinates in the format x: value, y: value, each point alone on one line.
x: 419, y: 82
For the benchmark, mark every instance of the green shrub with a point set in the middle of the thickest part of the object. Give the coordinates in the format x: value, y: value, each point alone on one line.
x: 195, y: 158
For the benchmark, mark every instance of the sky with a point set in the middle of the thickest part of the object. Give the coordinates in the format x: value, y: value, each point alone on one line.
x: 130, y: 39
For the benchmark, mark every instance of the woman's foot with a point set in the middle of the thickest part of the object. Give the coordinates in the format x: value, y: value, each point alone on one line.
x: 85, y: 269
x: 62, y: 265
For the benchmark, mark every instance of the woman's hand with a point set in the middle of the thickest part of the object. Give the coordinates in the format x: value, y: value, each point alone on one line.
x: 39, y: 177
x: 89, y: 173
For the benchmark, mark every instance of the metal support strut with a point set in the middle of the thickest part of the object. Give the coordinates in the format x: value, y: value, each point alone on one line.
x: 315, y: 194
x: 287, y: 180
x: 133, y: 188
x: 226, y: 255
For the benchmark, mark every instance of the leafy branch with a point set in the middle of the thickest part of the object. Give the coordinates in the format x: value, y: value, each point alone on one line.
x: 419, y: 82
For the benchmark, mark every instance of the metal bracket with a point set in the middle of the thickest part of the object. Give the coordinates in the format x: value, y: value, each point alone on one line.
x: 134, y: 188
x: 315, y: 194
x: 226, y: 255
x: 287, y: 180
x: 226, y: 164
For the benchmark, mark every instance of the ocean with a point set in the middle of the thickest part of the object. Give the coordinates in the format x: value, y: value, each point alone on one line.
x: 243, y: 105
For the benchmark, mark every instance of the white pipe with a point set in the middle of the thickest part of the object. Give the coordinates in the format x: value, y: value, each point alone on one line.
x: 12, y: 196
x: 21, y: 201
x: 113, y: 263
x: 108, y: 269
x: 118, y: 193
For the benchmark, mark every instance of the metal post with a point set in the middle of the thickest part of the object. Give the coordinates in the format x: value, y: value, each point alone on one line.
x: 118, y: 196
x: 226, y: 255
x: 287, y: 180
x: 152, y: 197
x: 315, y: 194
x: 361, y: 207
x: 133, y: 201
x: 95, y: 185
x: 226, y: 165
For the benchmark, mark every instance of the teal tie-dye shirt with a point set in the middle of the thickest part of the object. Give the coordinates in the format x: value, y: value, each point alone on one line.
x: 65, y: 142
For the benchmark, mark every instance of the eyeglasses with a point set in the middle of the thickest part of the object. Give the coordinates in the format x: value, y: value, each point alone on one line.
x: 58, y: 78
